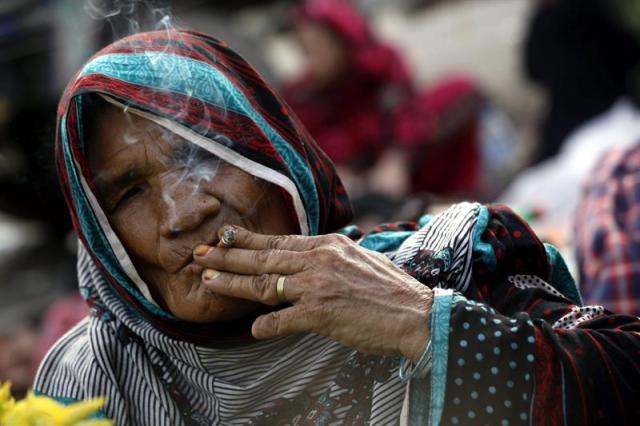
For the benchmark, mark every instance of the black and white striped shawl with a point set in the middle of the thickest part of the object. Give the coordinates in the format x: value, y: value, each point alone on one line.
x: 151, y: 379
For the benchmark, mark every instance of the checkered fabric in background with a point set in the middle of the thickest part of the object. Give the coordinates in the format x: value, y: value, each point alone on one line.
x: 607, y: 232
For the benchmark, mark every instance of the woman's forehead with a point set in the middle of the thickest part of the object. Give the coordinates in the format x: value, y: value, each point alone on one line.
x: 115, y: 130
x: 120, y: 141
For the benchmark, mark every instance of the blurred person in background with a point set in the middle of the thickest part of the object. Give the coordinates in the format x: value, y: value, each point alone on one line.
x: 357, y: 98
x: 28, y: 189
x: 607, y: 222
x: 18, y: 362
x: 29, y: 285
x: 607, y: 232
x: 28, y: 92
x: 583, y: 54
x: 352, y: 87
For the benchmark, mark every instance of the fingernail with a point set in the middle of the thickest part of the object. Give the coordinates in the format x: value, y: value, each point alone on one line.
x: 201, y: 250
x: 209, y: 274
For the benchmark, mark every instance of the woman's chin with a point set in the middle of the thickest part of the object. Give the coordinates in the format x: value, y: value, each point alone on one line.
x: 216, y: 308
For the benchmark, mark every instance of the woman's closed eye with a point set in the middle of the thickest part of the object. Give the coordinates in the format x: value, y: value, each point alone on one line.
x: 127, y: 195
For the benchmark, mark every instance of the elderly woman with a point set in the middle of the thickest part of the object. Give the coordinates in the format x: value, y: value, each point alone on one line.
x: 218, y: 295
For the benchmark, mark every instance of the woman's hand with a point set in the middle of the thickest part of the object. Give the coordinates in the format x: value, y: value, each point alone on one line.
x: 337, y: 289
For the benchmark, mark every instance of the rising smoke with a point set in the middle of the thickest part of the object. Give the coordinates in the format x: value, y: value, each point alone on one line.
x: 193, y: 167
x: 121, y: 18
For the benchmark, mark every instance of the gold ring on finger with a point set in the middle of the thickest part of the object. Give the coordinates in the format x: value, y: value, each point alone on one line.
x: 280, y: 289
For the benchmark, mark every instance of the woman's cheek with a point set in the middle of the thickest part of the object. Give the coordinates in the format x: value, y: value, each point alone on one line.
x: 239, y: 190
x: 137, y: 230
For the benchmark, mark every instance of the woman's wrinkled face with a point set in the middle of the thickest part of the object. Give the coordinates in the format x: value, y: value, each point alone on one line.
x: 325, y: 53
x: 165, y: 196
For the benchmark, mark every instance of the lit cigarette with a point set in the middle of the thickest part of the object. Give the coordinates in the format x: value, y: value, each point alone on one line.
x: 228, y: 237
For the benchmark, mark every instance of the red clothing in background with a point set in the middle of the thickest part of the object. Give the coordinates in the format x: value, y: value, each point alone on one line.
x: 57, y: 320
x: 442, y: 139
x: 352, y: 117
x: 374, y: 106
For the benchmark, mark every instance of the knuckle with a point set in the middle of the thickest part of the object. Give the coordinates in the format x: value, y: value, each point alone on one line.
x: 327, y: 253
x: 340, y: 239
x: 261, y: 257
x: 276, y: 323
x: 322, y: 240
x: 259, y: 283
x: 224, y: 255
x: 276, y: 242
x: 318, y: 255
x: 231, y: 283
x: 268, y: 287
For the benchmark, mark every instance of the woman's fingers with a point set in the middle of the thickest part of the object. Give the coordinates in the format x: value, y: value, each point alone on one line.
x: 262, y: 288
x: 259, y: 288
x: 250, y: 262
x: 283, y: 322
x: 243, y: 238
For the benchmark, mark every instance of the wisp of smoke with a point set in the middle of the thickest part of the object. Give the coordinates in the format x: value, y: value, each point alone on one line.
x: 126, y: 17
x: 191, y: 168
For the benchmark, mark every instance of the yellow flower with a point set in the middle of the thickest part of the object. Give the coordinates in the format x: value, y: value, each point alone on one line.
x: 6, y: 400
x: 44, y: 411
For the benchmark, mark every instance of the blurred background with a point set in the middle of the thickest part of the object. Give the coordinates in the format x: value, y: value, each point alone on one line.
x: 420, y: 103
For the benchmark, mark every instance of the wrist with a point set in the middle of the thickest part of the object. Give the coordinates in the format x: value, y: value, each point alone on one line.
x: 418, y: 330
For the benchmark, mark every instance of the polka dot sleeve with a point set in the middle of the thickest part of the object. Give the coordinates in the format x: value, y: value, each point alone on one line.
x: 519, y: 349
x: 581, y: 362
x: 490, y: 377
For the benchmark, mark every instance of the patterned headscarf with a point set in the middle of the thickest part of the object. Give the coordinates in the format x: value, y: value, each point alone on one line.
x: 198, y: 88
x: 152, y: 367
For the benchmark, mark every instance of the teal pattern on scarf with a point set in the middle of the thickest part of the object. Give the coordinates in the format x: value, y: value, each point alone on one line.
x: 137, y: 69
x: 482, y: 249
x: 441, y: 313
x: 206, y: 83
x: 385, y: 241
x: 561, y: 278
x: 93, y: 231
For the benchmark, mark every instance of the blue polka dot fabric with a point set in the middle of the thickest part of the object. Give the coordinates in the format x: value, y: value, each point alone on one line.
x: 518, y: 349
x: 491, y: 359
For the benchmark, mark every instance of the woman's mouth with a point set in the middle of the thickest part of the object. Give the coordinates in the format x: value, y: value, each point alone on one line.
x: 189, y: 260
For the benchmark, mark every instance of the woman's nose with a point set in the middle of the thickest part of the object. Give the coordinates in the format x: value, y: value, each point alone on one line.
x: 185, y: 206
